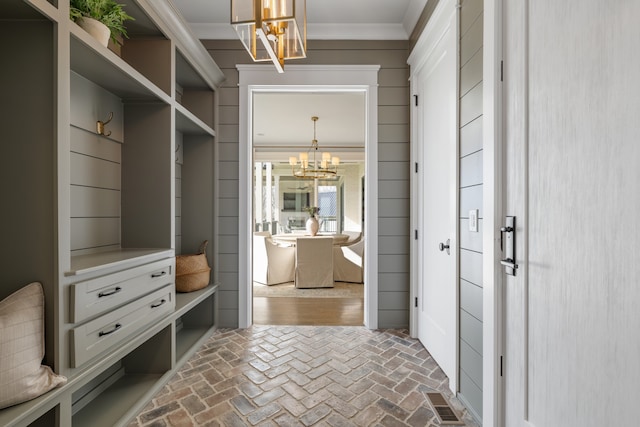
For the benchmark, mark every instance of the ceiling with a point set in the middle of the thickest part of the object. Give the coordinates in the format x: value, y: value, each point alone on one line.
x: 327, y: 19
x: 282, y: 121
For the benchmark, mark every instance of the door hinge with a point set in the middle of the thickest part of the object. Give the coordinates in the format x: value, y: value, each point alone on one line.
x: 415, y: 233
x: 501, y: 71
x: 416, y: 302
x: 416, y: 167
x: 415, y: 99
x: 500, y: 365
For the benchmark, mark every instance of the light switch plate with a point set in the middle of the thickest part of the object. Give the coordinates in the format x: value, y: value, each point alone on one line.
x: 473, y: 220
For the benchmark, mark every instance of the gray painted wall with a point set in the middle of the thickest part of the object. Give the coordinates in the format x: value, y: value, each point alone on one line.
x: 471, y: 24
x: 393, y: 167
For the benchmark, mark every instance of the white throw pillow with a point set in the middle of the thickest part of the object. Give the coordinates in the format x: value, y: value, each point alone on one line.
x: 22, y: 375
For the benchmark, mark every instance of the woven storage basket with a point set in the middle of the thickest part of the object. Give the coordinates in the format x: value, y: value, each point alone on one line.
x: 192, y: 271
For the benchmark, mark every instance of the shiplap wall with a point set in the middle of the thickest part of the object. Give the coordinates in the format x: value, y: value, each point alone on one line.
x: 95, y: 167
x: 393, y: 172
x: 178, y: 189
x: 471, y: 26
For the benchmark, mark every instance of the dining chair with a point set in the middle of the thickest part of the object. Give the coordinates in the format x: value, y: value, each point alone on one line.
x: 314, y: 262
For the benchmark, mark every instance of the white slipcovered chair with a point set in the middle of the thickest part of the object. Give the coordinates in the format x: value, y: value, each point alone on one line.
x: 354, y: 236
x: 314, y: 262
x: 272, y: 263
x: 348, y: 262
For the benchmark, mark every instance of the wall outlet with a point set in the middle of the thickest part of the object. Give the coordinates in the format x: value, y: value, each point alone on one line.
x: 473, y: 220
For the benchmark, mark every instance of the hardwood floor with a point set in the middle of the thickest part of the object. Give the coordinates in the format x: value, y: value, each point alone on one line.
x: 308, y: 311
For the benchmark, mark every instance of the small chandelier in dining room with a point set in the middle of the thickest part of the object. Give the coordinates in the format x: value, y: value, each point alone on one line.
x: 305, y: 168
x: 279, y: 25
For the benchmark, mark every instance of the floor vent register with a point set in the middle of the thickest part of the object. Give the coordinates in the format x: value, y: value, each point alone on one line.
x: 443, y: 411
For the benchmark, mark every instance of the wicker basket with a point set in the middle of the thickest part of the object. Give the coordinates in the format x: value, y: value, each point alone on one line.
x: 192, y: 271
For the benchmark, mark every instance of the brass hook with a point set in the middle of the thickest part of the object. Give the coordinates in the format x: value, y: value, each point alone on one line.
x: 100, y: 125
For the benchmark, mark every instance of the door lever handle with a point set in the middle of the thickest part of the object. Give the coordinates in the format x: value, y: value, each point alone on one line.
x: 508, y: 245
x: 509, y: 263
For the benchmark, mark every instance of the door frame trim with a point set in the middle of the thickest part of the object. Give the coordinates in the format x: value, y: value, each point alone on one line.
x: 492, y: 196
x: 307, y: 78
x: 440, y: 21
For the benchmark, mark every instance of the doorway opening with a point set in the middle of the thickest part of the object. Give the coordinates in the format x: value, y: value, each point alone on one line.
x: 306, y: 79
x: 334, y: 293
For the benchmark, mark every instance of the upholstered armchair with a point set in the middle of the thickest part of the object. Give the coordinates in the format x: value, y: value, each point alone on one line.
x: 272, y: 263
x: 348, y: 262
x: 314, y: 262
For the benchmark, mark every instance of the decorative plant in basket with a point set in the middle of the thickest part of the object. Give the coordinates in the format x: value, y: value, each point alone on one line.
x: 107, y: 12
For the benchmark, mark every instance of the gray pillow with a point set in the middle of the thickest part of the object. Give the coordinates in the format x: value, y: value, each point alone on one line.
x: 22, y: 375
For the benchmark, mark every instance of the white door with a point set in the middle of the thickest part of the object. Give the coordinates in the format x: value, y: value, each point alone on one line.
x: 437, y: 195
x: 572, y: 179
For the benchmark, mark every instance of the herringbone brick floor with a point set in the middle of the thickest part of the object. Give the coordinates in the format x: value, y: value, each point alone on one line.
x: 302, y: 376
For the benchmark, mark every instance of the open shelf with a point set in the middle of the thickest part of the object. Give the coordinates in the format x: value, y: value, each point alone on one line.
x: 122, y: 395
x: 189, y: 124
x: 195, y: 320
x: 103, y: 67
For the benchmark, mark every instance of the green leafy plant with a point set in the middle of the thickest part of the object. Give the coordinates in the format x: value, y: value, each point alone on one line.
x: 108, y: 12
x: 311, y: 210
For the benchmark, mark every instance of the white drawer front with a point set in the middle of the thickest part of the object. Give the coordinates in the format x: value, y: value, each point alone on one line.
x: 96, y: 296
x: 103, y: 333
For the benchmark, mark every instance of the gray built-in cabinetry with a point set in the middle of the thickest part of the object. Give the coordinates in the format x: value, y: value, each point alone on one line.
x: 98, y: 219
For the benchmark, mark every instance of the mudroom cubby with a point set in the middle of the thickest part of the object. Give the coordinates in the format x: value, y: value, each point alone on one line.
x: 108, y: 174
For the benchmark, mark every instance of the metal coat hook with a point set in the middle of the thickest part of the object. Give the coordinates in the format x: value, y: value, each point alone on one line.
x: 100, y: 125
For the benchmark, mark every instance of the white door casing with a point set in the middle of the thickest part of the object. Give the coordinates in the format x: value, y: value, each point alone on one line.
x: 572, y: 180
x: 435, y: 191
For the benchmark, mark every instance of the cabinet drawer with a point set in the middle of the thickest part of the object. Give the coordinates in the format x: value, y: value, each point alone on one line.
x: 101, y: 334
x: 97, y: 296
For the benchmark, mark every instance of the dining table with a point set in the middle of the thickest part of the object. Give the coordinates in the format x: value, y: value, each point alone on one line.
x: 338, y: 239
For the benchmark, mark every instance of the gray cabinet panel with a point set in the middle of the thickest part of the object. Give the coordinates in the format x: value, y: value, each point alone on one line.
x: 471, y: 363
x: 94, y: 202
x: 90, y: 103
x: 393, y: 226
x: 471, y: 137
x: 393, y: 95
x: 393, y: 263
x: 393, y: 114
x: 471, y: 331
x: 471, y: 10
x: 471, y: 41
x: 393, y: 300
x: 393, y: 318
x: 471, y: 198
x: 393, y: 171
x: 471, y: 170
x: 89, y: 143
x: 471, y: 394
x: 393, y: 152
x: 228, y: 188
x: 393, y: 244
x: 471, y: 73
x: 92, y: 172
x: 89, y: 233
x: 471, y: 266
x: 471, y: 105
x: 393, y: 189
x: 471, y: 240
x: 393, y: 133
x: 390, y: 282
x: 471, y: 299
x: 393, y: 207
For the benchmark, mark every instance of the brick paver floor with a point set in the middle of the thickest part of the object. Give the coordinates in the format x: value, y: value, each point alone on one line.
x: 302, y: 376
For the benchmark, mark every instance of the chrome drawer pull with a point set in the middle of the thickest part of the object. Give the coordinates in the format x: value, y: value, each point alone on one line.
x: 106, y: 294
x: 155, y: 275
x: 158, y: 304
x: 102, y: 333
